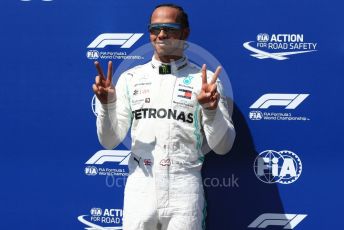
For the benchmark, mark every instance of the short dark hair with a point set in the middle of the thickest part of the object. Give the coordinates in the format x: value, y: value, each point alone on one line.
x: 182, y: 17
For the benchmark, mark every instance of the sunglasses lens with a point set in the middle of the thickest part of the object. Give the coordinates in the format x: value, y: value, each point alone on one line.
x: 155, y: 30
x: 168, y: 28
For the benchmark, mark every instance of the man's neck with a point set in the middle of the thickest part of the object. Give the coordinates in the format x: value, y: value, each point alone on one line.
x: 168, y: 59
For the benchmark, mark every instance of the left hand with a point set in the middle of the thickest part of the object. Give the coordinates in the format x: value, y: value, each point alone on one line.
x: 209, y: 97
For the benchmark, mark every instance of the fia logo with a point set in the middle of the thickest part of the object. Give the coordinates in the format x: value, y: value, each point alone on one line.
x: 263, y: 37
x: 91, y: 171
x: 92, y: 54
x: 256, y: 115
x: 282, y: 167
x: 96, y: 211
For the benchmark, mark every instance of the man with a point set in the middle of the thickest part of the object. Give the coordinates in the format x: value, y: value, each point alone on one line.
x: 174, y: 109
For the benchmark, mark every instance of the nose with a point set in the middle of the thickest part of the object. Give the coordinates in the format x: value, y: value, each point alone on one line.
x: 162, y: 34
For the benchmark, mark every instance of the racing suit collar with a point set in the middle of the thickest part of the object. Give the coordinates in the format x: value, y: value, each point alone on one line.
x: 173, y: 67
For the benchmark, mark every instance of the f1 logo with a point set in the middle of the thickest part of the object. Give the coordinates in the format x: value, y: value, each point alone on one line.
x: 289, y: 221
x: 290, y: 101
x: 125, y: 40
x: 102, y: 156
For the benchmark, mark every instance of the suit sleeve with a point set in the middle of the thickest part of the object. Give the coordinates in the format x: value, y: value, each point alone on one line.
x: 114, y: 119
x: 218, y: 126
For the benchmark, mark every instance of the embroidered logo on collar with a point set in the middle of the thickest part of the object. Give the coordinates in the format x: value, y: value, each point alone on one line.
x: 164, y: 69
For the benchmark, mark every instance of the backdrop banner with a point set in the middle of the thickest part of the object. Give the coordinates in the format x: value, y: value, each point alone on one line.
x: 283, y: 69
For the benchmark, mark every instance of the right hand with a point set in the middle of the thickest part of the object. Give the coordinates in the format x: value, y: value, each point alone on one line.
x: 103, y: 88
x: 209, y: 96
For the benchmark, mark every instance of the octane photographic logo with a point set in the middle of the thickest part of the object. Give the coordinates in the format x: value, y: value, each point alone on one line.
x: 277, y: 107
x: 116, y: 162
x: 110, y: 219
x: 282, y: 167
x: 123, y: 41
x: 287, y: 221
x: 279, y: 46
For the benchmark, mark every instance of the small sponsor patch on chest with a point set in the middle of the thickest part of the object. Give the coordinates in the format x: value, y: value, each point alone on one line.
x: 184, y: 93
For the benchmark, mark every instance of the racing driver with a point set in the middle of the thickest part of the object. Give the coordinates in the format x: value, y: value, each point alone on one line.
x: 175, y: 109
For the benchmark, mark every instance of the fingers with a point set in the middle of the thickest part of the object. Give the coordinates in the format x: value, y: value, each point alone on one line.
x: 95, y: 88
x: 209, y: 97
x: 209, y: 90
x: 216, y: 75
x: 213, y: 89
x: 101, y: 82
x: 99, y: 69
x: 215, y: 97
x: 212, y: 102
x: 98, y: 80
x: 209, y: 100
x: 98, y: 89
x: 101, y: 73
x: 204, y: 97
x: 204, y: 74
x: 103, y: 88
x: 109, y: 74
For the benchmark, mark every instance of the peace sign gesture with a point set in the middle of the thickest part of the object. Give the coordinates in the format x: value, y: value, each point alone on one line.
x: 103, y: 88
x: 209, y: 97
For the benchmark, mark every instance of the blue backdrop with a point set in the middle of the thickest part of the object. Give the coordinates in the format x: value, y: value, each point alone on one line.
x: 285, y: 64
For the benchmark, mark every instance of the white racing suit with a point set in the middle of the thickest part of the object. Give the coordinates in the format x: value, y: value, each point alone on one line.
x: 169, y: 131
